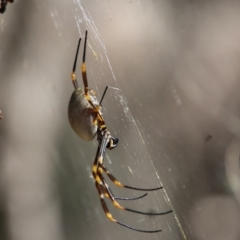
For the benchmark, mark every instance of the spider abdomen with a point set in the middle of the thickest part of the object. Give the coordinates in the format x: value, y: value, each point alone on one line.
x: 81, y: 114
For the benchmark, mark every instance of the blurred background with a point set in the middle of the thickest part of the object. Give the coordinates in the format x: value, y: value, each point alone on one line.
x: 174, y: 105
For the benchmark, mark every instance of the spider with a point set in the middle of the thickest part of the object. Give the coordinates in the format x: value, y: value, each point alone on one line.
x: 86, y: 119
x: 3, y: 4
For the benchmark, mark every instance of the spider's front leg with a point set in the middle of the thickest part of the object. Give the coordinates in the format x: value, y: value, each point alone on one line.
x: 107, y: 191
x: 97, y: 170
x: 104, y: 191
x: 119, y: 184
x: 109, y: 215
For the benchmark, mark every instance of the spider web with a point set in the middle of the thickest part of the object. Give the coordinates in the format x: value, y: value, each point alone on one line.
x: 173, y: 104
x: 43, y: 89
x: 132, y: 155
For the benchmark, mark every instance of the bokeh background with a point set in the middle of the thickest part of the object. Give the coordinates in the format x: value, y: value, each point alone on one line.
x: 175, y: 65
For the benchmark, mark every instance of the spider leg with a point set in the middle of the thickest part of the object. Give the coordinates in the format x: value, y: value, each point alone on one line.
x: 84, y: 76
x: 84, y: 72
x: 98, y: 164
x: 129, y: 199
x: 100, y: 103
x: 105, y: 192
x: 95, y: 169
x: 73, y: 75
x: 103, y: 188
x: 119, y: 184
x: 117, y: 205
x: 111, y: 218
x: 85, y: 83
x: 83, y: 67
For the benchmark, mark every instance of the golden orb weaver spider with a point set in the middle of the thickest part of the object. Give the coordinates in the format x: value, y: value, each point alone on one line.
x: 3, y: 4
x: 86, y: 119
